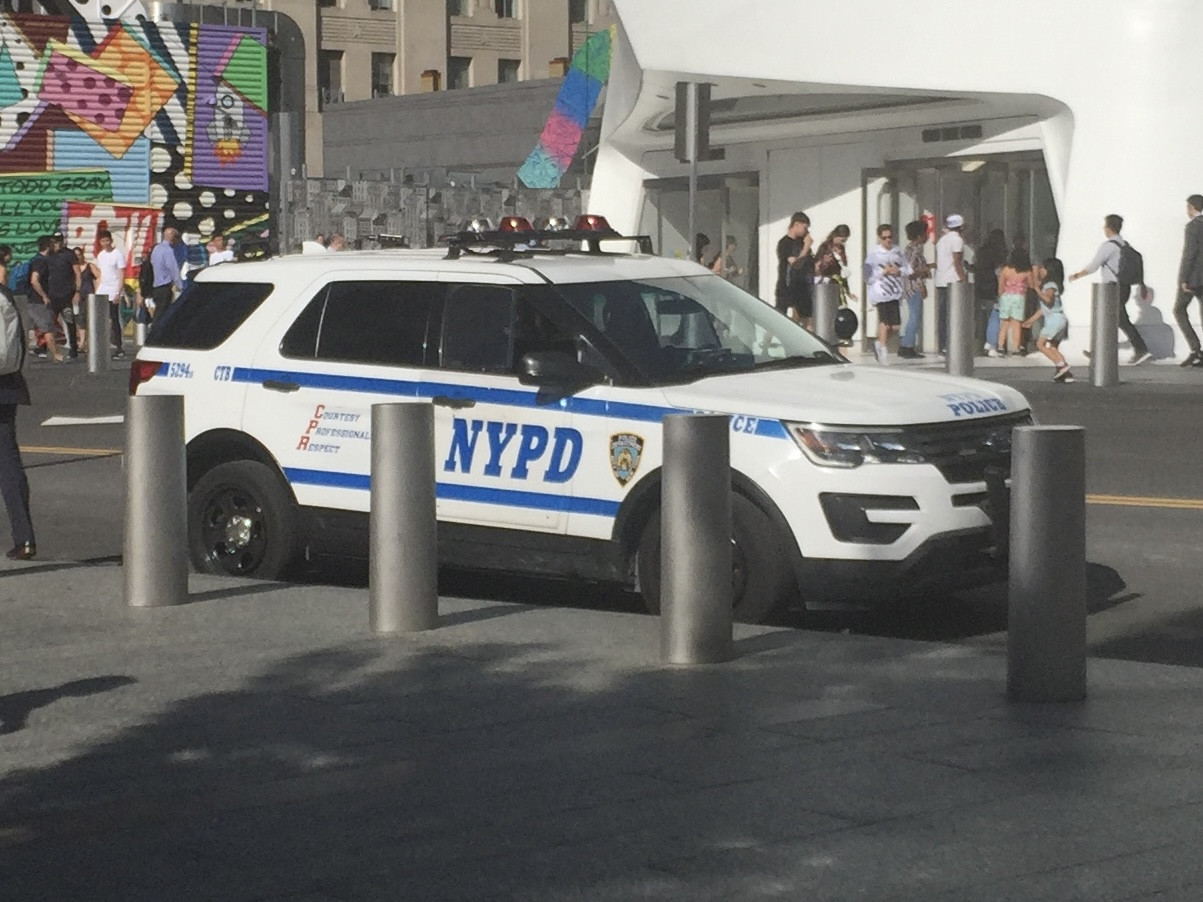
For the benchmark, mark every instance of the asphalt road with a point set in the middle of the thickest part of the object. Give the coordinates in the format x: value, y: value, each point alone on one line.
x: 1144, y: 519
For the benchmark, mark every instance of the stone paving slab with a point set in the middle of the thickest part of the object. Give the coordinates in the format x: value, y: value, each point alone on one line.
x: 260, y: 743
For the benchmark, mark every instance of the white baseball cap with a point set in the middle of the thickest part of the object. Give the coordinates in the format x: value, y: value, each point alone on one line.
x: 955, y: 221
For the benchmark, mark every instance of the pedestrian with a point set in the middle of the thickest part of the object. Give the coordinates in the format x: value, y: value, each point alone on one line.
x: 950, y: 268
x: 88, y: 275
x: 831, y: 262
x: 701, y: 243
x: 795, y: 268
x: 1050, y: 277
x: 885, y: 269
x: 222, y: 250
x: 1107, y: 262
x: 167, y: 280
x: 110, y: 263
x: 988, y: 263
x: 337, y: 243
x: 63, y: 280
x: 40, y: 313
x: 1014, y: 280
x: 725, y: 263
x: 14, y: 485
x: 1190, y: 277
x: 914, y: 288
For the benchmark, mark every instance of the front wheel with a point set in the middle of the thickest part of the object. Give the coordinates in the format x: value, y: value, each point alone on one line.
x: 761, y: 576
x: 242, y: 521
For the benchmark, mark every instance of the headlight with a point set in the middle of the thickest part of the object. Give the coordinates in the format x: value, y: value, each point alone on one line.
x: 836, y: 448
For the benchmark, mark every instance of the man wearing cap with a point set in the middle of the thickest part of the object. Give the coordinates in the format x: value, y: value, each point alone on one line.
x: 950, y: 267
x: 63, y: 280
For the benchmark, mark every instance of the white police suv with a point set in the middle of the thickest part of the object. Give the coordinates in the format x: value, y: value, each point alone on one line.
x: 550, y: 372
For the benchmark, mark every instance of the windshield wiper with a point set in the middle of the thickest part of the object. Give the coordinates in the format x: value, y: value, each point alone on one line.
x: 797, y: 361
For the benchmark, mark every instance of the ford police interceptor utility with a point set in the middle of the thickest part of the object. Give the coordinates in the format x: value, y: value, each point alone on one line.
x: 550, y: 373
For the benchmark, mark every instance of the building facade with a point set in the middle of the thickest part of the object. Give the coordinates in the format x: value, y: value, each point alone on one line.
x: 890, y: 118
x: 370, y: 49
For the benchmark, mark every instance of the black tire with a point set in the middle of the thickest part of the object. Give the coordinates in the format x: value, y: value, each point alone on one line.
x: 242, y: 521
x: 762, y: 577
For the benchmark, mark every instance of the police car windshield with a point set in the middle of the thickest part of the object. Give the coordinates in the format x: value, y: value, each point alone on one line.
x: 684, y: 328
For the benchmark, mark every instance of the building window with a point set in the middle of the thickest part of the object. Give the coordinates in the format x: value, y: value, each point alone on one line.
x: 507, y: 71
x: 382, y: 74
x: 458, y: 8
x: 330, y: 76
x: 578, y: 12
x: 506, y: 9
x: 459, y: 72
x: 380, y: 4
x: 327, y: 3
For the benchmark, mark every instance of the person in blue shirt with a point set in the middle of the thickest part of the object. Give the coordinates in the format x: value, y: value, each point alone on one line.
x: 1050, y: 276
x: 167, y: 283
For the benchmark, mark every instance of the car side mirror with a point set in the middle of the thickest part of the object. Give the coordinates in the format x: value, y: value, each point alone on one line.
x: 556, y: 368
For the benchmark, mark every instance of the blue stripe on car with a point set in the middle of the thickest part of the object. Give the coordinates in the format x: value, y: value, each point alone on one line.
x: 409, y: 388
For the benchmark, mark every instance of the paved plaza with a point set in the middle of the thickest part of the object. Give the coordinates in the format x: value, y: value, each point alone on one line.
x: 260, y: 743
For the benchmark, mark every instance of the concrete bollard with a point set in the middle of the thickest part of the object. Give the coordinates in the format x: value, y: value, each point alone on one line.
x: 155, y: 544
x: 1104, y: 339
x: 403, y: 583
x: 826, y: 303
x: 1046, y: 621
x: 98, y: 333
x: 695, y: 528
x: 961, y: 340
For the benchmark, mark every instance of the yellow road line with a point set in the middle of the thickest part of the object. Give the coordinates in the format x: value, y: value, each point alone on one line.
x: 1193, y: 504
x: 85, y: 452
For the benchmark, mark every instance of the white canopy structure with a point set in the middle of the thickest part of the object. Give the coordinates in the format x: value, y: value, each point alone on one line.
x: 1032, y: 117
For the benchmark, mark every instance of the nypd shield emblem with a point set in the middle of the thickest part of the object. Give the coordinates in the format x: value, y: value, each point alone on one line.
x: 626, y: 450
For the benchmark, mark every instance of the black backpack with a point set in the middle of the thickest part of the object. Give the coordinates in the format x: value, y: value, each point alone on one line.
x: 146, y: 278
x: 1131, y: 265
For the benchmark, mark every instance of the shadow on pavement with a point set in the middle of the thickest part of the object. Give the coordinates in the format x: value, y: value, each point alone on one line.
x: 16, y: 707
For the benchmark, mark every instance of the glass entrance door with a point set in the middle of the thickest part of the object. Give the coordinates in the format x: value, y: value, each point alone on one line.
x: 727, y: 213
x: 1008, y: 192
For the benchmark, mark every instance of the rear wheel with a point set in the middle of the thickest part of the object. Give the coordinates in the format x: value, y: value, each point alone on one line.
x: 761, y: 577
x: 242, y: 521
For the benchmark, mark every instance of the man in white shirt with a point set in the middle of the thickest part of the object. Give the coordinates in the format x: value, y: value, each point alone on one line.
x: 950, y: 267
x: 111, y: 263
x: 885, y: 266
x: 223, y: 250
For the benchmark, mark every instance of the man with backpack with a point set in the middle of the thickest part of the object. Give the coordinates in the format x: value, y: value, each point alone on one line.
x: 1120, y: 263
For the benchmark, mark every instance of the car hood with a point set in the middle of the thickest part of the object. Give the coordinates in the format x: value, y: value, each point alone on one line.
x: 849, y: 395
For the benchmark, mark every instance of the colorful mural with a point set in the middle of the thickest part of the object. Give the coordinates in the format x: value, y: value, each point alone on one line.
x: 130, y: 124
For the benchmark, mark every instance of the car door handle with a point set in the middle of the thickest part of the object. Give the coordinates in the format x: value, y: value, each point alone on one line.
x: 455, y: 403
x: 277, y: 385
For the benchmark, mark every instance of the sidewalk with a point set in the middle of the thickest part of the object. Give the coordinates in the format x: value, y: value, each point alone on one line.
x: 1034, y: 365
x: 260, y: 743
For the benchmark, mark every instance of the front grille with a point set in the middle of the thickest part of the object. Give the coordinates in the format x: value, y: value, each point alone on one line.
x: 962, y: 451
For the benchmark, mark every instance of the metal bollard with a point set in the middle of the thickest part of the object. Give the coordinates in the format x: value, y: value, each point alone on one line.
x: 695, y: 528
x: 1104, y: 359
x: 98, y: 329
x: 155, y: 544
x: 403, y: 584
x: 139, y: 334
x: 826, y: 303
x: 961, y: 340
x: 1046, y: 620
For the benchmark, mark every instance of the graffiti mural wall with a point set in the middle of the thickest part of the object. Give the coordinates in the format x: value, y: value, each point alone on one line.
x: 130, y: 125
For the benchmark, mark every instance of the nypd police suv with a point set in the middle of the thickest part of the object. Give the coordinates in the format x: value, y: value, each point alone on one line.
x: 550, y: 372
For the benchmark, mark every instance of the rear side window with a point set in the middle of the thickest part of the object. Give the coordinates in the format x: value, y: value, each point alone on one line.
x: 207, y: 314
x: 365, y: 322
x: 478, y: 329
